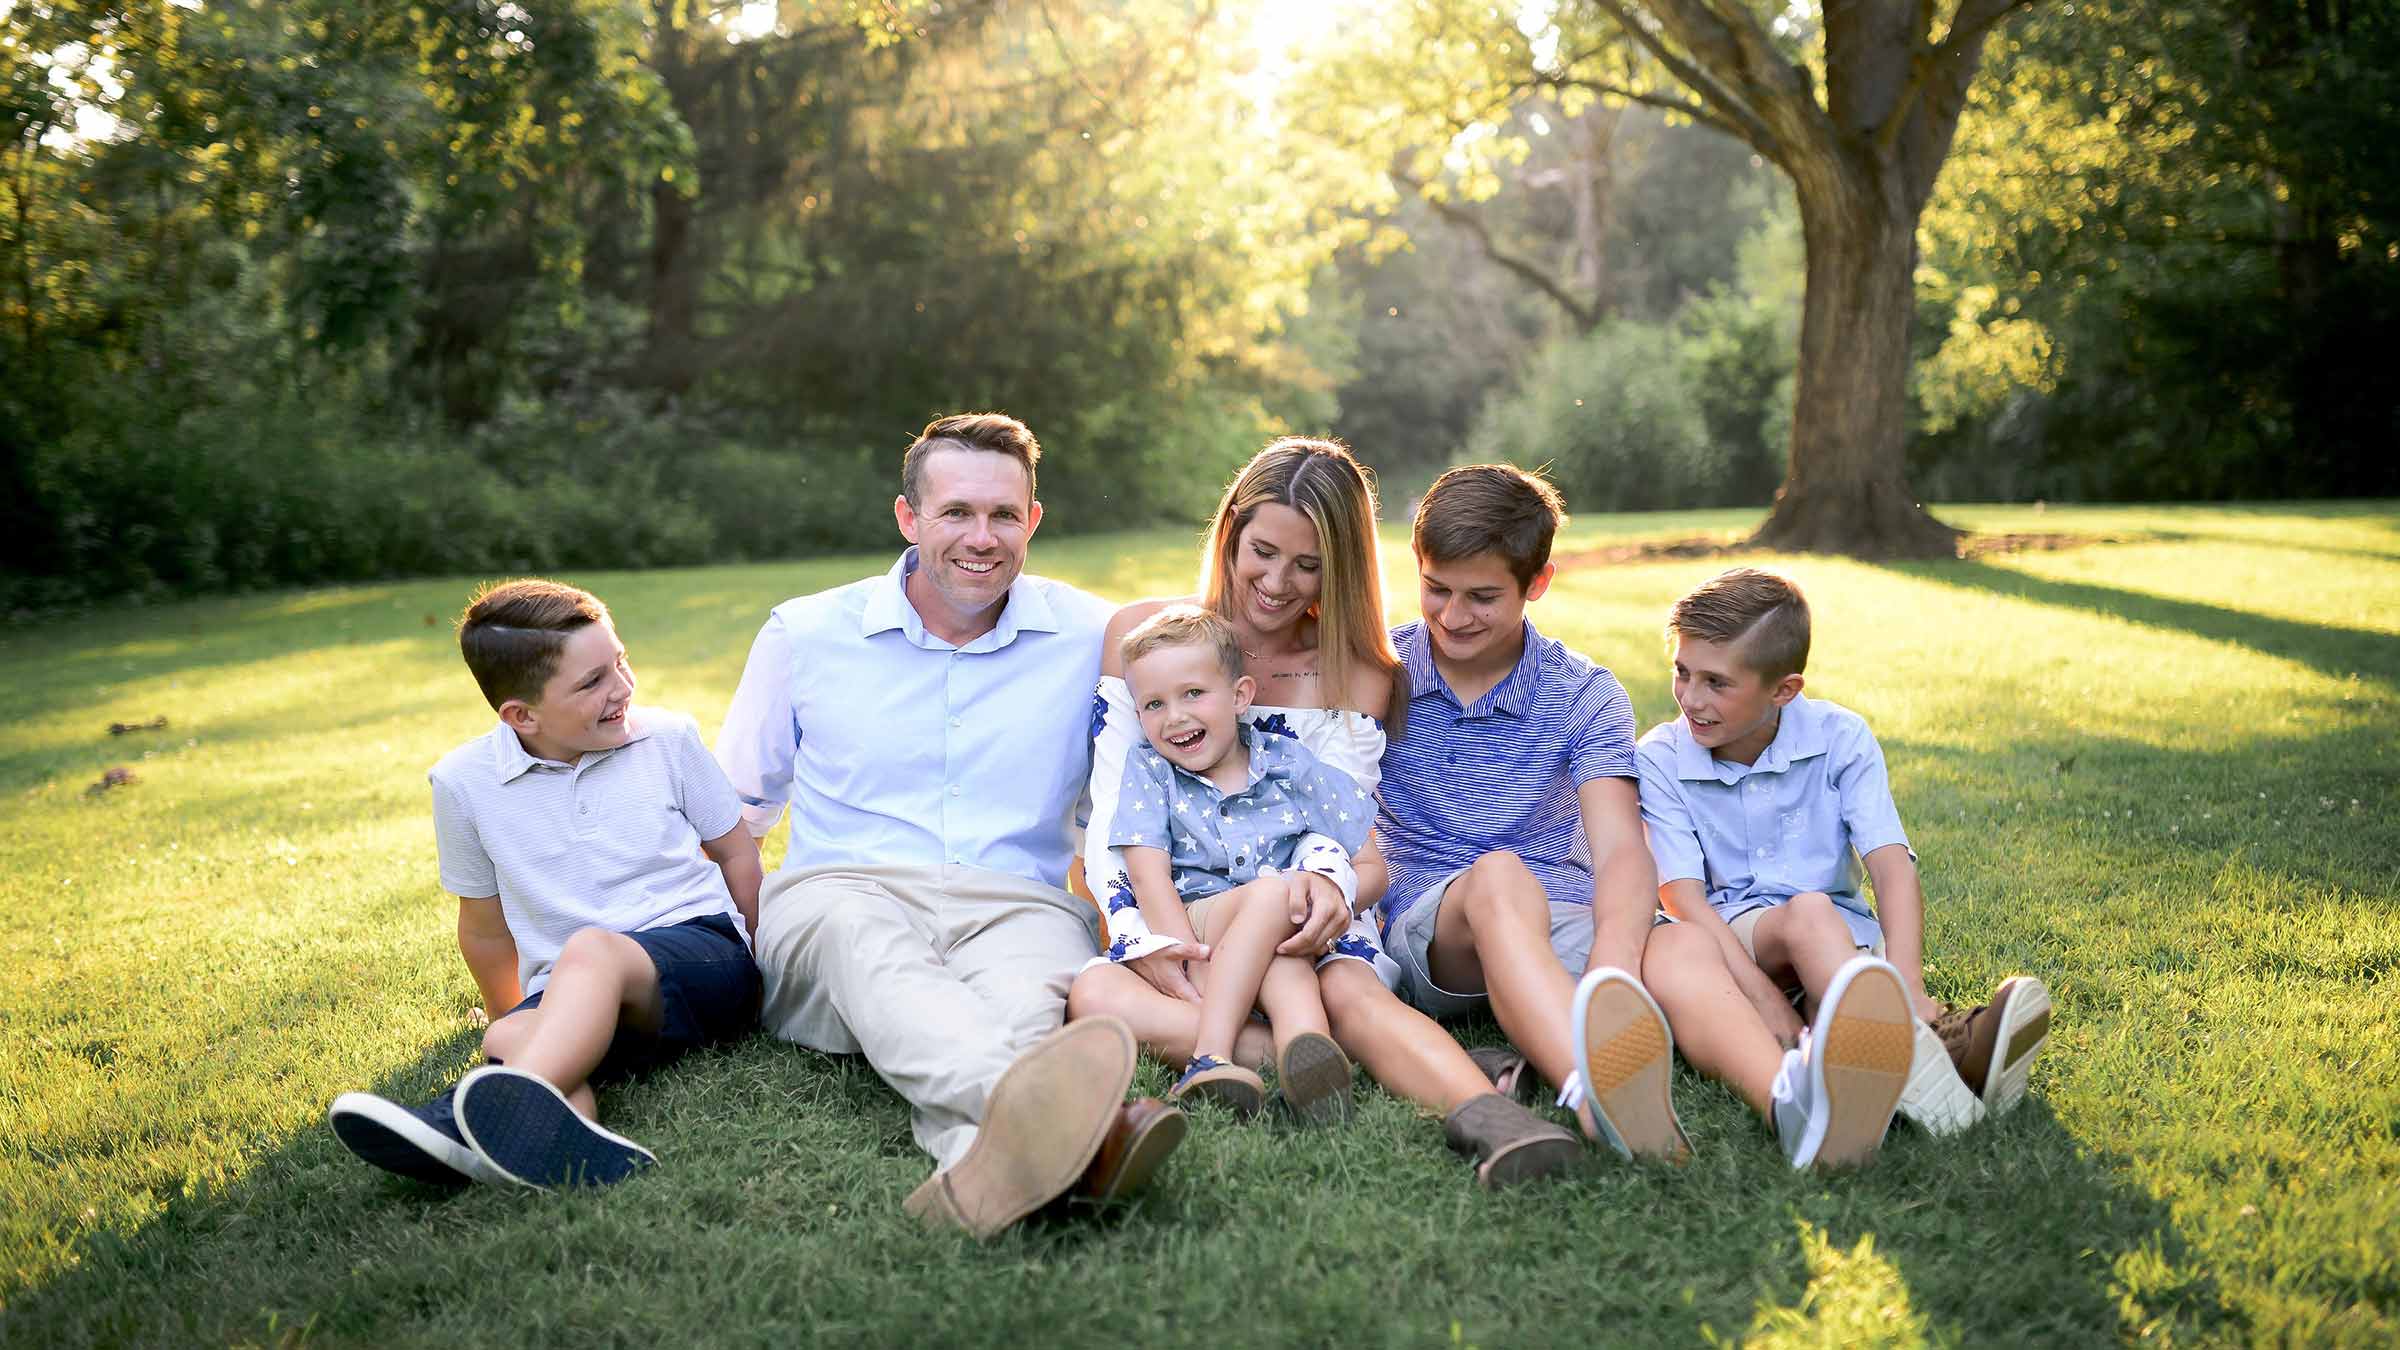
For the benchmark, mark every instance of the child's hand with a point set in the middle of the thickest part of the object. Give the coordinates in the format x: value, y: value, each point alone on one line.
x: 1163, y: 969
x: 1318, y: 911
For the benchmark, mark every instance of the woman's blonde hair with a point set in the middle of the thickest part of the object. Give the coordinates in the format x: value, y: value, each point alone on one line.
x: 1322, y: 481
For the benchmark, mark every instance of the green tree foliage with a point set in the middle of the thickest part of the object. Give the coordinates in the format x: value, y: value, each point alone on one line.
x: 623, y: 280
x: 2166, y: 260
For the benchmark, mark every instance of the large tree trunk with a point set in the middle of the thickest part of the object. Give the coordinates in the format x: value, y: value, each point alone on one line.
x: 1846, y: 490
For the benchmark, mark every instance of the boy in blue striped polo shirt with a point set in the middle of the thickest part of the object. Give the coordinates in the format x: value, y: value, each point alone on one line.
x: 1510, y: 821
x: 606, y: 893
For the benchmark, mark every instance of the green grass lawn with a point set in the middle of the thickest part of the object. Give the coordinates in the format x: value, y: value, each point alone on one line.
x: 2159, y: 771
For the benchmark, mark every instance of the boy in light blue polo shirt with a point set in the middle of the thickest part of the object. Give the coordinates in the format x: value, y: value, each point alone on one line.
x: 606, y: 893
x: 1760, y: 804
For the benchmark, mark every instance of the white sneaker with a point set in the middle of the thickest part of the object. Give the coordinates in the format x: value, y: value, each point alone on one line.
x: 1936, y: 1098
x: 1834, y: 1096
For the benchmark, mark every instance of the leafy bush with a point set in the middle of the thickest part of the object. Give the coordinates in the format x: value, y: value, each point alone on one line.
x: 1615, y: 415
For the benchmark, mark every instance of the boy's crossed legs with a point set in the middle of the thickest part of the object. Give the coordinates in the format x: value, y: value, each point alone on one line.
x: 616, y: 1004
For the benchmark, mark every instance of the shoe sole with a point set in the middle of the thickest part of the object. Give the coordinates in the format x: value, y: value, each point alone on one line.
x: 1863, y: 1047
x: 2023, y: 1005
x: 1042, y: 1126
x: 1530, y: 1160
x: 1627, y: 1055
x: 1936, y: 1098
x: 385, y: 1134
x: 1314, y: 1077
x: 1151, y: 1144
x: 530, y: 1133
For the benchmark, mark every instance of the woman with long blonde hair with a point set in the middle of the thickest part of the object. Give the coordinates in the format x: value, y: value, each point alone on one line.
x: 1290, y: 562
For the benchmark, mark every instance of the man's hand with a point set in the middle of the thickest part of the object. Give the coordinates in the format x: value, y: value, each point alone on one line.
x: 1316, y: 906
x: 1164, y: 971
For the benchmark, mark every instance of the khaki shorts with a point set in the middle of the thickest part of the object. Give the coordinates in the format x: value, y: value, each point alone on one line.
x: 1745, y: 931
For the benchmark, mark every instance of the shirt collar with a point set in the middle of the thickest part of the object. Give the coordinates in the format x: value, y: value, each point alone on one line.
x: 1028, y: 609
x: 1267, y: 757
x: 511, y: 760
x: 1512, y: 695
x: 1800, y: 734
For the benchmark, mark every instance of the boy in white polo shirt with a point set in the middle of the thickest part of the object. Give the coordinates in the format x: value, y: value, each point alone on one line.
x: 606, y: 896
x: 1760, y: 804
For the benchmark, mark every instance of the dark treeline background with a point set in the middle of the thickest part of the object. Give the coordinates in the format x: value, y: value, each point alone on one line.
x: 314, y: 290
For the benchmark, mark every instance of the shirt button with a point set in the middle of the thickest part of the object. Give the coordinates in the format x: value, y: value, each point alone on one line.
x: 954, y: 789
x: 584, y: 810
x: 957, y: 721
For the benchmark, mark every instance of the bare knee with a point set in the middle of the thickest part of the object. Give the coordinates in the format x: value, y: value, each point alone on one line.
x: 1678, y: 957
x: 505, y: 1039
x: 1102, y: 991
x: 1353, y: 998
x: 1498, y: 883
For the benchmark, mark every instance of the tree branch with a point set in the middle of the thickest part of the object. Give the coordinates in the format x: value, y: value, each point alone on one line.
x: 1964, y: 40
x: 1586, y: 316
x: 1664, y: 102
x: 1747, y: 121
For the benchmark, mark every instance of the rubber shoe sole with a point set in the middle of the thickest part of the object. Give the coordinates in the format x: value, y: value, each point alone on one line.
x: 391, y: 1137
x: 2022, y: 1003
x: 1627, y: 1055
x: 535, y: 1138
x: 1862, y: 1048
x: 1936, y: 1099
x: 1314, y: 1076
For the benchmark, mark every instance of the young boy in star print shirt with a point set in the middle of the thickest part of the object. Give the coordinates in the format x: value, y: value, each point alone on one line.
x: 1211, y: 815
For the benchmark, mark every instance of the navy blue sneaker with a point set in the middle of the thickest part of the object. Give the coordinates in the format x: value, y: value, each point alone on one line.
x: 526, y: 1129
x: 421, y: 1143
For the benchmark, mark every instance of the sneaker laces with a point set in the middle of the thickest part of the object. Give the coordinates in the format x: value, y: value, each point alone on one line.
x: 1571, y: 1093
x: 1956, y: 1026
x: 1786, y: 1086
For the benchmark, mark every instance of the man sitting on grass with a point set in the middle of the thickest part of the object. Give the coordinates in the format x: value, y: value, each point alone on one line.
x: 603, y: 874
x: 1756, y: 802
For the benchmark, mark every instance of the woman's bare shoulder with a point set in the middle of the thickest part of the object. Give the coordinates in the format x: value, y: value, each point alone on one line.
x: 1370, y: 692
x: 1125, y: 620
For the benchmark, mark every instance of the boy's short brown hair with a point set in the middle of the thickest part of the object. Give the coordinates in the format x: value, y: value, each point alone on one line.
x: 1489, y: 508
x: 1184, y: 626
x: 1764, y: 612
x: 994, y: 433
x: 512, y: 632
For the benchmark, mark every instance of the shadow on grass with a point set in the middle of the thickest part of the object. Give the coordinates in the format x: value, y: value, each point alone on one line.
x: 2331, y: 650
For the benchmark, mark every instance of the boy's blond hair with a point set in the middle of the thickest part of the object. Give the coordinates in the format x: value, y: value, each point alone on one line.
x: 1183, y: 626
x: 1761, y: 611
x: 512, y: 632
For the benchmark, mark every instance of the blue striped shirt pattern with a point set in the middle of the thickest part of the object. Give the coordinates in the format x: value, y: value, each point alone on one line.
x: 1461, y: 781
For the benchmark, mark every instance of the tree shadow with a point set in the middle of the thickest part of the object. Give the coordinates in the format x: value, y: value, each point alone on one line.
x: 2329, y: 649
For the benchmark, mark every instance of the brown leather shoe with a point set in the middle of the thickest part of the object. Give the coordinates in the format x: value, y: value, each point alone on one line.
x: 1145, y: 1131
x: 1042, y: 1126
x: 1994, y: 1044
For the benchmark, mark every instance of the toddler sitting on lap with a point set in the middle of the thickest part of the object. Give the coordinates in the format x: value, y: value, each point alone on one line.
x: 1211, y: 817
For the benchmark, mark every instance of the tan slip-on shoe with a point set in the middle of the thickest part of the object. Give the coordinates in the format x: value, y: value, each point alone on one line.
x: 1042, y: 1126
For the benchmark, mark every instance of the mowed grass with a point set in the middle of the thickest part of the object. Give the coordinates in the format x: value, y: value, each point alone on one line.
x: 2159, y: 771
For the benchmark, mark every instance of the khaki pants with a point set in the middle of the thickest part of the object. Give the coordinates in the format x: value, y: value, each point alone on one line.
x: 941, y: 976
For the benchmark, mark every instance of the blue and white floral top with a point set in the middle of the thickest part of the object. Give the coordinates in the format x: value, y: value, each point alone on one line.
x: 1351, y: 742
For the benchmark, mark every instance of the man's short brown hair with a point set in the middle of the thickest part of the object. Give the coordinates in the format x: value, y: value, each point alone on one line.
x: 513, y: 631
x: 1490, y: 508
x: 1761, y: 613
x: 994, y: 433
x: 1184, y: 626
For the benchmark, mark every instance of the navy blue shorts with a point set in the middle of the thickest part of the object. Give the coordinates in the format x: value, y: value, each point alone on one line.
x: 708, y: 994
